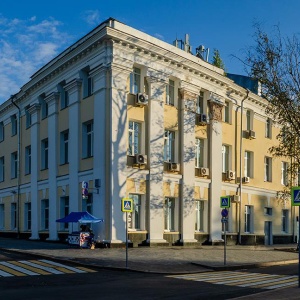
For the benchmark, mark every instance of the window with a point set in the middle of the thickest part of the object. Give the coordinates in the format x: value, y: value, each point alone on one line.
x: 225, y: 158
x: 44, y: 154
x: 249, y: 120
x: 169, y: 146
x: 284, y: 173
x: 87, y: 204
x: 64, y: 147
x: 268, y: 211
x: 199, y: 153
x: 134, y: 221
x: 2, y: 216
x: 64, y: 211
x: 248, y: 164
x: 248, y: 218
x: 87, y: 83
x: 135, y: 81
x: 226, y: 112
x: 199, y: 224
x: 14, y: 165
x: 27, y: 160
x: 2, y: 168
x: 200, y: 103
x: 14, y: 124
x: 88, y: 139
x: 44, y: 108
x: 13, y: 216
x: 169, y: 210
x: 28, y: 116
x: 284, y: 220
x: 27, y: 216
x: 1, y: 131
x: 170, y: 92
x: 268, y: 132
x: 45, y: 214
x: 268, y: 169
x: 134, y: 132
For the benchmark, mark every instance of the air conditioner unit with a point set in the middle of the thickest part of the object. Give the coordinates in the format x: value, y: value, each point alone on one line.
x: 230, y: 175
x: 203, y: 171
x: 141, y: 99
x: 201, y: 119
x: 251, y: 134
x: 173, y: 167
x: 246, y: 179
x: 140, y: 159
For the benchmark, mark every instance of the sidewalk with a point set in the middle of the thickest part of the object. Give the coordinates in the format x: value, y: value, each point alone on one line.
x: 166, y: 260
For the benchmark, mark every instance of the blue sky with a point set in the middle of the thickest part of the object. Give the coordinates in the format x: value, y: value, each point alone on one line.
x: 33, y: 32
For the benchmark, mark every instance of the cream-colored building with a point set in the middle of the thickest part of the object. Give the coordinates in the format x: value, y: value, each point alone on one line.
x: 136, y: 117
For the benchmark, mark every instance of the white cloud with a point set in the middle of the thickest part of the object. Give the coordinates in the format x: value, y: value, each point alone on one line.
x: 92, y: 17
x: 25, y: 46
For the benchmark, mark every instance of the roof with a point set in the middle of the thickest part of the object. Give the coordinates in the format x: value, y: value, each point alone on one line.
x: 81, y: 217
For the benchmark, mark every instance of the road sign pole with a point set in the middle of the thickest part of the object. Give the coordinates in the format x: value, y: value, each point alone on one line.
x: 126, y: 240
x: 224, y: 243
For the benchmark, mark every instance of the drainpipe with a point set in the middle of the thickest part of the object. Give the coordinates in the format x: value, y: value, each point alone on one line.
x: 241, y: 180
x: 18, y: 166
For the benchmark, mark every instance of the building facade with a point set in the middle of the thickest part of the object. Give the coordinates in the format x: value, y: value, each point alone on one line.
x: 136, y: 117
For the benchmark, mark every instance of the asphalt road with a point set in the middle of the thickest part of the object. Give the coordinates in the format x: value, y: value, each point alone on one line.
x: 110, y: 284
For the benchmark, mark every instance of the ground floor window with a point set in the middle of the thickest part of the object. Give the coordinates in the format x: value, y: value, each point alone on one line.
x: 199, y: 210
x: 2, y: 214
x: 27, y: 216
x: 64, y: 211
x: 45, y: 214
x: 248, y: 218
x: 284, y: 220
x: 134, y: 218
x: 13, y: 216
x: 169, y: 210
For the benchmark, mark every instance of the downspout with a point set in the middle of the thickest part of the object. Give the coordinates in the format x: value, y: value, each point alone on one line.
x: 241, y: 178
x: 18, y: 166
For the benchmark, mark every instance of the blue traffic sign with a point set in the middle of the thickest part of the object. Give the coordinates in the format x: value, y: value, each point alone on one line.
x: 224, y: 213
x: 225, y: 201
x: 296, y: 196
x: 127, y: 205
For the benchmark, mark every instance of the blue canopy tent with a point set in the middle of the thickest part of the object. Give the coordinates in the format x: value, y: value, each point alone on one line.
x: 81, y: 217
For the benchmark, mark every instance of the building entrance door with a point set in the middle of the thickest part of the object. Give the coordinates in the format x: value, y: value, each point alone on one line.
x: 268, y: 233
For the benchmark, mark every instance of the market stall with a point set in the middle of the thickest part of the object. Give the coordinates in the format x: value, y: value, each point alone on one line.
x: 83, y: 238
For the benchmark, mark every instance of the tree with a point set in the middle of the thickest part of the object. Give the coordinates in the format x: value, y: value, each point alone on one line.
x: 275, y: 62
x: 217, y: 60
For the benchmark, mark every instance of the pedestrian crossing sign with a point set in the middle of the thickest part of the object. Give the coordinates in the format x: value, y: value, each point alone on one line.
x: 296, y: 196
x: 225, y: 201
x: 127, y: 205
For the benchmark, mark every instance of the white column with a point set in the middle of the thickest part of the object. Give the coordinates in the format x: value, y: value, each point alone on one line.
x: 52, y: 101
x: 187, y: 144
x: 117, y: 158
x: 34, y: 138
x: 215, y: 137
x: 100, y: 144
x: 156, y: 132
x: 73, y: 88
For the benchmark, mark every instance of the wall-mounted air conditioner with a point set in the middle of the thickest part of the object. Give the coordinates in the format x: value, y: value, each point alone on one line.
x: 141, y: 99
x: 251, y: 134
x: 141, y: 159
x: 203, y: 171
x: 246, y: 179
x: 230, y: 175
x: 173, y: 167
x: 201, y: 119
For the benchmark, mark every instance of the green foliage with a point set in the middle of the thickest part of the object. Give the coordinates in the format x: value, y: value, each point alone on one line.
x: 217, y: 60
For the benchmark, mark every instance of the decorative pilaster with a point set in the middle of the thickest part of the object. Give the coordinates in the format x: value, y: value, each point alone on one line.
x: 215, y: 134
x: 34, y: 139
x: 52, y: 101
x: 155, y: 197
x: 187, y: 145
x: 73, y: 89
